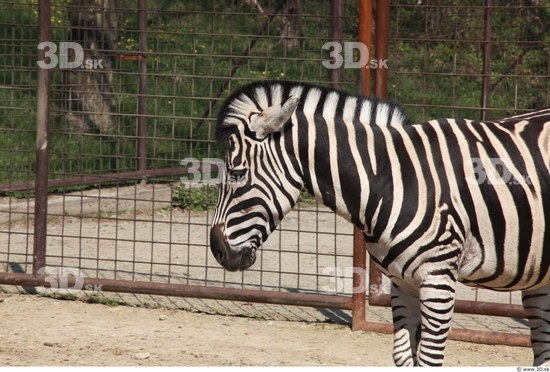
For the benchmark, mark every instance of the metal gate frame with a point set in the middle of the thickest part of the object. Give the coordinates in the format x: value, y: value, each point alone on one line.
x: 356, y: 303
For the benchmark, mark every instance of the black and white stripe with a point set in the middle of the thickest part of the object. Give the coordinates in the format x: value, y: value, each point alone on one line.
x: 414, y: 189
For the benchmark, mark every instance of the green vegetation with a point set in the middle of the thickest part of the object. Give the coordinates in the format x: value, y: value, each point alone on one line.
x: 60, y: 296
x: 306, y: 200
x: 205, y: 197
x: 91, y: 299
x: 445, y: 70
x: 194, y: 198
x: 97, y: 299
x: 191, y: 56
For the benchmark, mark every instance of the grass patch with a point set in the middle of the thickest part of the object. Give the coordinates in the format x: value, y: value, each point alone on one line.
x: 147, y: 305
x: 96, y: 299
x: 306, y: 200
x: 60, y: 296
x: 90, y: 299
x: 194, y: 198
x: 206, y: 197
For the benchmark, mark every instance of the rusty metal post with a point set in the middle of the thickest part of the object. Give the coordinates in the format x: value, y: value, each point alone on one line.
x: 365, y: 37
x: 42, y: 129
x: 359, y: 246
x: 486, y: 60
x: 382, y: 36
x: 336, y: 35
x: 359, y: 296
x: 375, y: 285
x: 380, y: 91
x: 142, y: 105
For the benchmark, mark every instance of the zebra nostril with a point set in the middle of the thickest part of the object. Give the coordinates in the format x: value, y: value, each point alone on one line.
x: 218, y: 244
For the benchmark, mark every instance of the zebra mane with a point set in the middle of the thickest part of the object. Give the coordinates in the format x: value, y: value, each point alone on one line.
x: 259, y: 95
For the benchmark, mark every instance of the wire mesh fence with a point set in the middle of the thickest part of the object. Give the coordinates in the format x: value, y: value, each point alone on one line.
x: 144, y: 99
x: 142, y: 105
x: 473, y: 59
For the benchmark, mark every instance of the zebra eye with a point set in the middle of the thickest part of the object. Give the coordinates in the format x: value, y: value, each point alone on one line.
x: 237, y: 174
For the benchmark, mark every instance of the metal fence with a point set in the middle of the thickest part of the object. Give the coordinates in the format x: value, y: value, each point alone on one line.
x: 112, y: 135
x: 91, y: 157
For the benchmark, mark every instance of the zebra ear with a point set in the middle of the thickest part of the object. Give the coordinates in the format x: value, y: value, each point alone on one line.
x: 273, y: 118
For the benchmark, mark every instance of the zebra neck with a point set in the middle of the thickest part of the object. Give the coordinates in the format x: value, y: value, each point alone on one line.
x: 342, y: 164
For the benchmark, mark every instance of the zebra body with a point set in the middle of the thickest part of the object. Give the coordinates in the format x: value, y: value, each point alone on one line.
x: 427, y: 197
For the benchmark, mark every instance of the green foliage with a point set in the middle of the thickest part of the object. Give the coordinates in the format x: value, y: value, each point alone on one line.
x: 194, y: 198
x: 60, y: 296
x: 90, y: 299
x: 437, y: 59
x: 205, y: 197
x: 97, y: 299
x: 435, y: 62
x: 306, y: 200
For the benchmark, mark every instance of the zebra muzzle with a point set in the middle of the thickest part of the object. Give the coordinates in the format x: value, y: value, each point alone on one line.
x: 231, y: 259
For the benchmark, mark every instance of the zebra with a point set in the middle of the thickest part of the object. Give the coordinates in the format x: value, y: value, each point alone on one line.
x: 431, y: 199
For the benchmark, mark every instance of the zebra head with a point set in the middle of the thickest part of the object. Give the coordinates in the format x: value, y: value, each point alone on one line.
x: 259, y: 187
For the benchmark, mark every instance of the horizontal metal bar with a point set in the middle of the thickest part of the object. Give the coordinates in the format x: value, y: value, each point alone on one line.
x: 465, y: 307
x: 463, y: 107
x: 182, y: 290
x: 478, y: 337
x: 173, y: 12
x: 89, y: 180
x: 461, y: 74
x: 455, y: 6
x: 532, y: 42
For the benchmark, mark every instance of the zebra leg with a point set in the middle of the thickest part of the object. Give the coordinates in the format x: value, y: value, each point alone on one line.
x: 537, y: 306
x: 406, y: 327
x: 437, y: 299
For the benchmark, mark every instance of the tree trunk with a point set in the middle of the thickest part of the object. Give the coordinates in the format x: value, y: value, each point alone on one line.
x: 88, y: 92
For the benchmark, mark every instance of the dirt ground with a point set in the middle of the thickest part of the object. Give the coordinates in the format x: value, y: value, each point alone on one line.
x: 38, y: 331
x: 114, y: 234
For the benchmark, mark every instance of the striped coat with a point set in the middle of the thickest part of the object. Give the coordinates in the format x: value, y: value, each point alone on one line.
x: 439, y: 202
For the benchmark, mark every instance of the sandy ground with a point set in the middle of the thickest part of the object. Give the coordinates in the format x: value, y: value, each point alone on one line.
x: 107, y: 234
x: 39, y: 331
